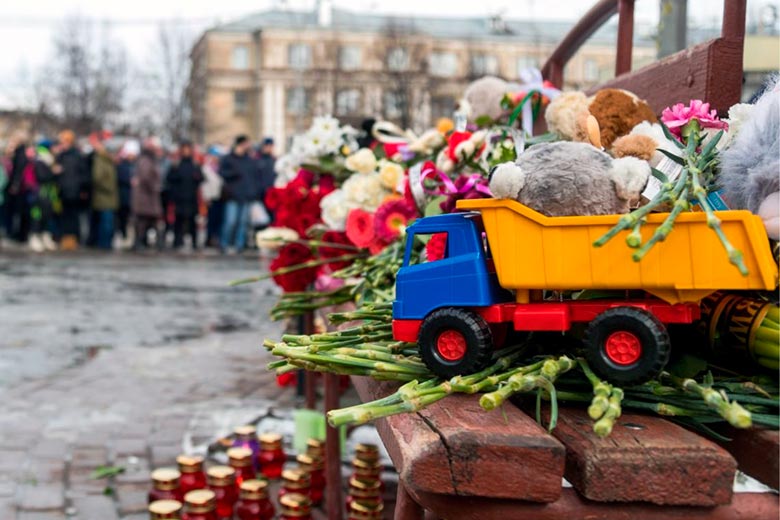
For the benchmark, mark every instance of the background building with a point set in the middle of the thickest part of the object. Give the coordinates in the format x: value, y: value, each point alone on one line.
x: 270, y: 73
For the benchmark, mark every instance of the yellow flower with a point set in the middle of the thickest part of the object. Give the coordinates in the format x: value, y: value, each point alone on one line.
x: 362, y: 161
x: 391, y: 174
x: 445, y: 125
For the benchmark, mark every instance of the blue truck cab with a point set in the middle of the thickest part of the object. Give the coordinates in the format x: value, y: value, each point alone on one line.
x: 465, y: 277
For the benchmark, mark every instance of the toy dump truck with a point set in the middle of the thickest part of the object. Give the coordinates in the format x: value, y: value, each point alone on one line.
x: 502, y: 257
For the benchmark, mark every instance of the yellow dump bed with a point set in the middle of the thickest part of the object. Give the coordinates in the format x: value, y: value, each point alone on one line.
x: 533, y: 251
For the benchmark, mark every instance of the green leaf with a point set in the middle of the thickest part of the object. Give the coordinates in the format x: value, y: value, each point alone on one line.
x: 434, y: 206
x: 688, y: 366
x: 673, y: 157
x: 658, y: 174
x: 670, y: 136
x: 711, y: 144
x: 106, y: 472
x: 484, y: 121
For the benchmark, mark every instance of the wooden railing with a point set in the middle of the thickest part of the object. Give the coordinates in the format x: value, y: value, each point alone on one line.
x: 711, y: 71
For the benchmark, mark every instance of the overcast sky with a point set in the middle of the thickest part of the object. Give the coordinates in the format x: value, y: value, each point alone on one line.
x: 26, y: 27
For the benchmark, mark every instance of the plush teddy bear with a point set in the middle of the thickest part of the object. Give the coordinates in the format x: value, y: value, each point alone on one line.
x: 483, y: 98
x: 750, y: 165
x: 567, y: 178
x: 616, y: 111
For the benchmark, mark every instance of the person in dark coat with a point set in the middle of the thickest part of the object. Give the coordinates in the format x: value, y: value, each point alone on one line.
x: 145, y: 199
x: 72, y: 182
x: 124, y: 174
x: 238, y: 170
x: 17, y: 219
x: 182, y: 182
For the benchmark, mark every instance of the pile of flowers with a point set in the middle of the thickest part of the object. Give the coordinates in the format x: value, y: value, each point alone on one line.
x: 340, y: 219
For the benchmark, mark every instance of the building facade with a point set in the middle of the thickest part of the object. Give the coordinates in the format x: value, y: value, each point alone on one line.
x: 269, y: 74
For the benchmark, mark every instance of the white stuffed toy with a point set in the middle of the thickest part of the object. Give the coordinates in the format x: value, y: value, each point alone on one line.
x: 568, y: 178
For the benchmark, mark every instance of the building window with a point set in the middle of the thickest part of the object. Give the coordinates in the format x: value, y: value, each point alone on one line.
x: 484, y: 65
x: 349, y: 57
x: 239, y: 58
x: 347, y: 102
x: 442, y: 106
x: 393, y: 104
x: 299, y: 55
x: 591, y: 70
x: 397, y: 59
x: 526, y: 62
x: 297, y: 100
x: 444, y: 64
x: 240, y: 102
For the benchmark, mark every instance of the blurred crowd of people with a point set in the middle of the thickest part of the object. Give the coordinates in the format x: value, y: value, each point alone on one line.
x: 107, y: 192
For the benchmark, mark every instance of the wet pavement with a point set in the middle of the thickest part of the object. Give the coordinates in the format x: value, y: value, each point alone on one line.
x: 126, y: 360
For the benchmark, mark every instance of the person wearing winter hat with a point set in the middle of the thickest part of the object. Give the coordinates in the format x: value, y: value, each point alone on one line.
x: 238, y: 171
x: 71, y: 175
x: 43, y: 199
x: 105, y: 190
x: 145, y: 198
x: 182, y: 181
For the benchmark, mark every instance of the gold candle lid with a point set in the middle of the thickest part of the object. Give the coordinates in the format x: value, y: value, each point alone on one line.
x: 221, y: 475
x: 163, y: 508
x: 200, y: 501
x: 366, y: 507
x: 365, y: 451
x: 366, y: 466
x: 166, y: 478
x: 240, y: 457
x: 309, y: 462
x: 270, y: 441
x: 189, y: 463
x: 254, y: 489
x: 247, y: 431
x: 295, y: 504
x: 296, y: 479
x: 315, y: 447
x: 363, y: 484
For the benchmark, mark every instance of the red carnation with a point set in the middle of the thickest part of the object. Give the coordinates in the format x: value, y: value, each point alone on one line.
x: 289, y: 256
x: 335, y: 237
x: 360, y: 227
x: 436, y: 248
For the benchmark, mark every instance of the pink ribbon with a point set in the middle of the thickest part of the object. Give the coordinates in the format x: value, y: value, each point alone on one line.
x: 448, y: 187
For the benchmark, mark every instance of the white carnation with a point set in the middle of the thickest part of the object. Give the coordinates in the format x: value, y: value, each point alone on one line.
x: 275, y: 237
x: 335, y: 208
x: 362, y: 161
x: 364, y: 191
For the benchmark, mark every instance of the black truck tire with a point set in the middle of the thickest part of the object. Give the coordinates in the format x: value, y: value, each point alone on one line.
x: 627, y: 346
x: 455, y: 341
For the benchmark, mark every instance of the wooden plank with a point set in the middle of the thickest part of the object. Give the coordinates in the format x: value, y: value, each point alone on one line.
x: 625, y: 37
x: 405, y: 506
x: 456, y: 448
x: 744, y: 506
x: 711, y: 71
x: 332, y: 450
x: 644, y: 459
x: 756, y: 452
x: 505, y: 442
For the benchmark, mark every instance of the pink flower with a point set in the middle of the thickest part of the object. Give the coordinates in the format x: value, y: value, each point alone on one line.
x: 360, y: 227
x: 391, y: 218
x: 676, y: 117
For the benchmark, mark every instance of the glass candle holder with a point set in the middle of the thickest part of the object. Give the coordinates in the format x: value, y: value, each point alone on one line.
x: 222, y: 481
x: 253, y: 502
x: 165, y: 485
x: 200, y: 505
x: 192, y: 475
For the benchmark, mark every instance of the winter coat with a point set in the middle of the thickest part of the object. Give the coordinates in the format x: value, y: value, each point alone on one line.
x: 18, y: 164
x: 124, y: 174
x: 239, y: 172
x: 265, y: 175
x: 73, y: 179
x: 145, y: 199
x: 105, y: 190
x: 182, y: 183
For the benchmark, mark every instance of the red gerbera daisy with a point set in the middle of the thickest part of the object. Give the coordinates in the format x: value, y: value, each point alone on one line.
x: 391, y: 218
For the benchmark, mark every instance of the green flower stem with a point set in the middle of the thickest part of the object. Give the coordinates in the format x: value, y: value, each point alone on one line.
x: 296, y: 267
x: 665, y: 228
x: 732, y: 412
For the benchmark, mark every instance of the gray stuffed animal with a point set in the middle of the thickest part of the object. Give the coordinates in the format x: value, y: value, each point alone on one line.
x: 750, y: 166
x: 567, y: 178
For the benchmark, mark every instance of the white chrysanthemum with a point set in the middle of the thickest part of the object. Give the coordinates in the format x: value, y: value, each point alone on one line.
x: 325, y: 125
x: 392, y: 174
x: 362, y: 161
x: 275, y: 237
x: 335, y: 208
x: 286, y: 168
x: 364, y: 191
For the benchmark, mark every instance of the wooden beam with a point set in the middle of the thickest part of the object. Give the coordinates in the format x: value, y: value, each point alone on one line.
x: 625, y: 37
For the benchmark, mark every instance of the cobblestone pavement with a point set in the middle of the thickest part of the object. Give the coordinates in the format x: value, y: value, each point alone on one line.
x: 142, y: 395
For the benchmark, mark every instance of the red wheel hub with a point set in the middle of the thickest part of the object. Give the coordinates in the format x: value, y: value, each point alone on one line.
x: 623, y: 348
x: 451, y: 345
